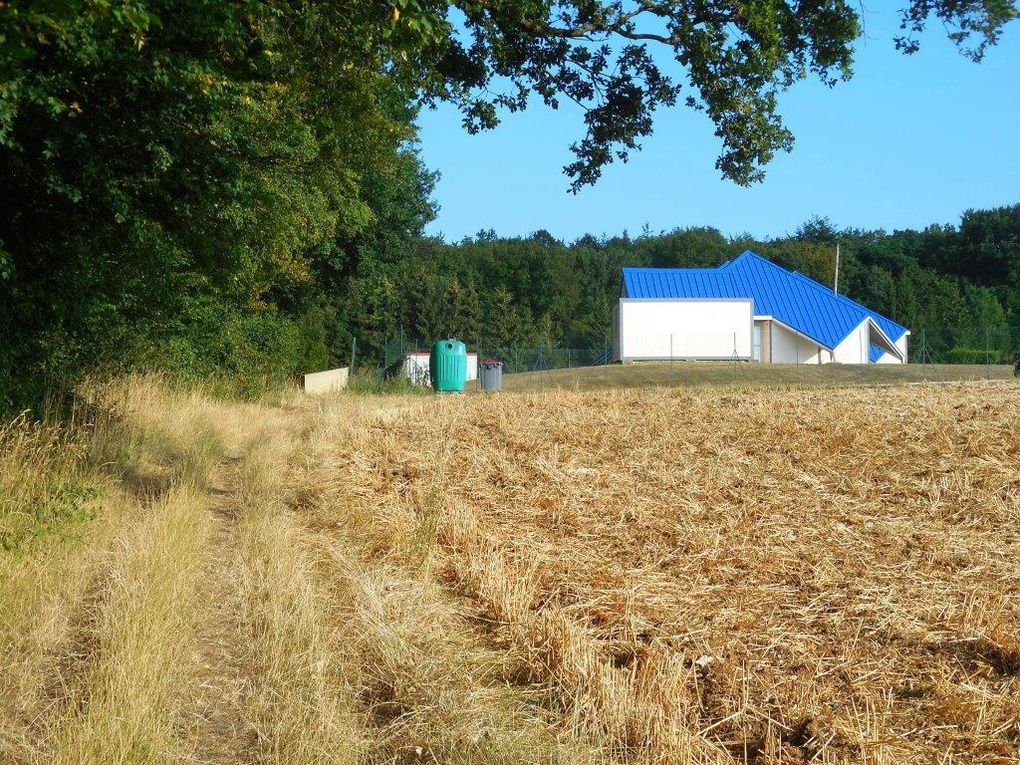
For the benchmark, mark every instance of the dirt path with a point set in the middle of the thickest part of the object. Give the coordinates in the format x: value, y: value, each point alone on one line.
x: 221, y: 735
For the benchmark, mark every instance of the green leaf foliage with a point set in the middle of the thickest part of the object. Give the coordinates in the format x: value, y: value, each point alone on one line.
x: 188, y: 181
x: 621, y: 60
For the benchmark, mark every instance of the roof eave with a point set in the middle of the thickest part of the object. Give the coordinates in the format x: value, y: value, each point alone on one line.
x: 892, y: 344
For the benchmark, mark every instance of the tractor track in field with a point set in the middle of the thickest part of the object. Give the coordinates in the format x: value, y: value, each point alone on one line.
x: 220, y: 733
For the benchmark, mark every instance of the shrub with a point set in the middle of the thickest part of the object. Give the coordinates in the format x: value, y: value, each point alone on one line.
x: 964, y: 355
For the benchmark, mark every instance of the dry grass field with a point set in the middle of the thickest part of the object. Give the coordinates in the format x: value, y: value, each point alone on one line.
x: 825, y: 575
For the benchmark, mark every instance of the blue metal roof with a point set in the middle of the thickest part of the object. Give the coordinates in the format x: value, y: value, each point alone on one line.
x: 801, y: 303
x: 679, y: 282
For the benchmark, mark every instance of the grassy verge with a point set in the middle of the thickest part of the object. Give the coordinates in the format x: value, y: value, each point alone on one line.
x: 182, y: 620
x: 102, y: 517
x: 129, y: 706
x: 743, y: 375
x: 45, y: 486
x: 368, y: 382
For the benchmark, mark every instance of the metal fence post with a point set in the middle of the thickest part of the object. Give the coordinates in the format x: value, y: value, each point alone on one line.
x: 605, y: 362
x: 672, y: 373
x: 988, y: 362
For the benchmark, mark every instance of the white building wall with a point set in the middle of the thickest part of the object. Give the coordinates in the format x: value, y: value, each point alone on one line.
x: 683, y: 329
x: 790, y: 348
x: 617, y: 334
x: 855, y: 348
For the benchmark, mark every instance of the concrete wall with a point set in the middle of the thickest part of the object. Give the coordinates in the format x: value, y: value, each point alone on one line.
x: 682, y: 329
x: 790, y: 348
x: 318, y: 383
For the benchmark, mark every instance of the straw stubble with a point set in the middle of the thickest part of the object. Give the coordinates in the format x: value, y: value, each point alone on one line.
x: 786, y: 576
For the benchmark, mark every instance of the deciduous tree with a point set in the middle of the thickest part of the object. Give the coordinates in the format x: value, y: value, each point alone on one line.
x: 621, y: 60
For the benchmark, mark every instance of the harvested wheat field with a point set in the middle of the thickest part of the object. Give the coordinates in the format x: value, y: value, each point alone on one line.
x: 653, y: 576
x: 797, y: 576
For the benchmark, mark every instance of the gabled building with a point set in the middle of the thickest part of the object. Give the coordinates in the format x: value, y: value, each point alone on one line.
x: 748, y: 309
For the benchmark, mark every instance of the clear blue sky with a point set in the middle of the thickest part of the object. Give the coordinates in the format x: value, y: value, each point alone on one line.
x: 910, y: 140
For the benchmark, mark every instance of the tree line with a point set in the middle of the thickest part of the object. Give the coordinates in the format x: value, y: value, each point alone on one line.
x: 958, y: 282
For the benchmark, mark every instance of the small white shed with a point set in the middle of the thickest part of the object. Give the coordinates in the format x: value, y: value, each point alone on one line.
x: 416, y: 367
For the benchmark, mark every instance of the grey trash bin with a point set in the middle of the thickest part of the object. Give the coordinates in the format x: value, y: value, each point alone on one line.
x: 492, y: 375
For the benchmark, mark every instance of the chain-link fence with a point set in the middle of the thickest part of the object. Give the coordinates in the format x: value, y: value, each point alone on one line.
x: 396, y: 350
x: 542, y: 359
x: 964, y: 345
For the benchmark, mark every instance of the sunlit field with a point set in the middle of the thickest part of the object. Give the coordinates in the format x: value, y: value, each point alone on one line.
x: 827, y: 575
x: 709, y: 575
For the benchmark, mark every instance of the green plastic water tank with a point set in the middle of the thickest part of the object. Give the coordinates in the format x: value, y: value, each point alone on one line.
x: 448, y: 366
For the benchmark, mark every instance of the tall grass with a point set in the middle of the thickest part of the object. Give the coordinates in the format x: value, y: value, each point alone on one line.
x: 52, y: 500
x: 129, y: 706
x: 300, y: 704
x: 44, y: 484
x: 188, y: 557
x: 101, y: 516
x: 367, y: 381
